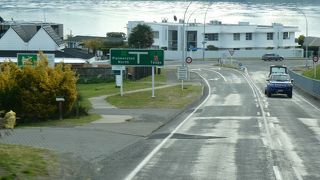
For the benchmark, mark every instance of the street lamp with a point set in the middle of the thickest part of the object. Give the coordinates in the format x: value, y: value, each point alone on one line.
x: 204, y: 31
x: 184, y: 35
x: 306, y: 33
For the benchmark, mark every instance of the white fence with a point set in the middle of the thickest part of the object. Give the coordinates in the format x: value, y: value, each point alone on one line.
x: 286, y: 53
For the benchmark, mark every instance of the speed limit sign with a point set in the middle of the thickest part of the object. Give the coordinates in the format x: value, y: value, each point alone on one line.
x: 315, y: 59
x: 189, y: 60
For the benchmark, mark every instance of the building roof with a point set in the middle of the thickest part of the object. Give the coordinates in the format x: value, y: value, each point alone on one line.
x: 65, y: 53
x: 53, y: 35
x: 22, y: 33
x: 311, y: 41
x: 84, y: 38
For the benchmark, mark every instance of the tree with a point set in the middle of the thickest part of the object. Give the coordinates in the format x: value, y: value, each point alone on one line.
x: 141, y: 37
x: 31, y: 91
x: 93, y: 44
x: 300, y: 40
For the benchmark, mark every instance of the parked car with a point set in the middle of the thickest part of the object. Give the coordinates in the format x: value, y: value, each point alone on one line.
x: 269, y: 57
x: 279, y: 83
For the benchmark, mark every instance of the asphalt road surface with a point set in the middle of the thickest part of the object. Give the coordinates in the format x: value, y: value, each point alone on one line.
x: 235, y: 133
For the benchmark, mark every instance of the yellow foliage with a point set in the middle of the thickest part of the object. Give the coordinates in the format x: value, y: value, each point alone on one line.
x: 31, y: 91
x: 10, y: 120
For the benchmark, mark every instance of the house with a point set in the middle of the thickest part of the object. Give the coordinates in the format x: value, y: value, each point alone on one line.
x: 31, y: 36
x: 215, y: 39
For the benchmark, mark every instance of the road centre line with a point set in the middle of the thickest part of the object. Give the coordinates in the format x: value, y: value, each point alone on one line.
x: 159, y: 146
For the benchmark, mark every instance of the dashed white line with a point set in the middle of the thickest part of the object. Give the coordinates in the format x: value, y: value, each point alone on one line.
x: 277, y: 173
x: 258, y: 113
x: 268, y: 114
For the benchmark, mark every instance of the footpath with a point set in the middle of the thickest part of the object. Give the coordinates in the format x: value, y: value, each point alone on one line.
x: 81, y: 146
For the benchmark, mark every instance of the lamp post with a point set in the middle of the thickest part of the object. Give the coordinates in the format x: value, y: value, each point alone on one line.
x: 184, y: 35
x: 204, y: 31
x: 306, y: 33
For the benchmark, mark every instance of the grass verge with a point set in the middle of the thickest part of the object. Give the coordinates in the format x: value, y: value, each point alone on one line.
x: 310, y: 73
x: 65, y: 122
x: 92, y: 90
x: 172, y: 97
x: 22, y: 162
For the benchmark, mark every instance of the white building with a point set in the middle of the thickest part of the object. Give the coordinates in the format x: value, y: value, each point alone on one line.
x: 30, y: 36
x: 244, y: 39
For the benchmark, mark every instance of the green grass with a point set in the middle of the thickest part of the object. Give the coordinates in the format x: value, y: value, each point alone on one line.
x: 22, y: 162
x: 310, y: 73
x: 92, y: 90
x: 172, y: 97
x: 65, y: 122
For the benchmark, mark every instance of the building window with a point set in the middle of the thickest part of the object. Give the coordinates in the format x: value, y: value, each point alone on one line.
x: 248, y: 36
x: 212, y: 36
x: 173, y: 40
x: 286, y: 35
x: 270, y: 36
x: 191, y: 39
x: 236, y: 36
x: 155, y: 34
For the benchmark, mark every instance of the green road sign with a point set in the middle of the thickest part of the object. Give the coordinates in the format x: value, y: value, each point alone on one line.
x: 137, y: 57
x: 26, y: 58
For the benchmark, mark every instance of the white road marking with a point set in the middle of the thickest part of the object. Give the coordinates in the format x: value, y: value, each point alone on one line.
x: 258, y: 114
x: 307, y: 102
x: 226, y: 117
x: 224, y: 78
x: 279, y: 142
x: 277, y: 173
x: 157, y: 148
x: 298, y: 175
x: 268, y: 114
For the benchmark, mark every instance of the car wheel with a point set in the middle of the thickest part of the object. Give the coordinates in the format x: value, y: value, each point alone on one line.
x: 268, y: 94
x: 281, y: 59
x: 289, y: 94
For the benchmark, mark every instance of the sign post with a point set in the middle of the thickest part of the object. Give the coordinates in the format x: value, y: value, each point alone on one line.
x: 137, y: 57
x: 315, y: 60
x: 231, y: 51
x: 183, y: 74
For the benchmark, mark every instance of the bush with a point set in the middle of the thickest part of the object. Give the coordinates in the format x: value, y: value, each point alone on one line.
x: 31, y: 91
x: 10, y: 120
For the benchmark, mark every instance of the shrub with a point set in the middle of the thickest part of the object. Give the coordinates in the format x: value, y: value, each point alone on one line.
x: 10, y: 120
x: 31, y: 91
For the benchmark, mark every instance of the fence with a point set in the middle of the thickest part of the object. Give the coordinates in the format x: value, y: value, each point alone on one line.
x: 308, y: 85
x: 94, y: 74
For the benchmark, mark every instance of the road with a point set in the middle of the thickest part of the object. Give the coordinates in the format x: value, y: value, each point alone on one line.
x: 235, y: 133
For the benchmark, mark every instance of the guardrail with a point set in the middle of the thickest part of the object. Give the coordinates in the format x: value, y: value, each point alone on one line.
x: 308, y: 85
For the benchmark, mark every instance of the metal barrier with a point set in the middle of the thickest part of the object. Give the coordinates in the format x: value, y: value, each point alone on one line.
x: 309, y: 85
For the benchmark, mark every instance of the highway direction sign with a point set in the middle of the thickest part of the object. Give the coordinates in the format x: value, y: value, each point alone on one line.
x: 137, y: 57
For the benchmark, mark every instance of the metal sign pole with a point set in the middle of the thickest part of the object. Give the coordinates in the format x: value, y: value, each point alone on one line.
x: 153, y: 81
x: 121, y: 87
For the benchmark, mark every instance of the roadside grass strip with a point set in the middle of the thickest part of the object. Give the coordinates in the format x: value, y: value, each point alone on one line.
x: 23, y: 162
x: 92, y: 90
x: 171, y: 97
x: 82, y: 120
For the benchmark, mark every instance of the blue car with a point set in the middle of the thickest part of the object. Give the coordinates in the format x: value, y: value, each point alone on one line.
x: 279, y: 83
